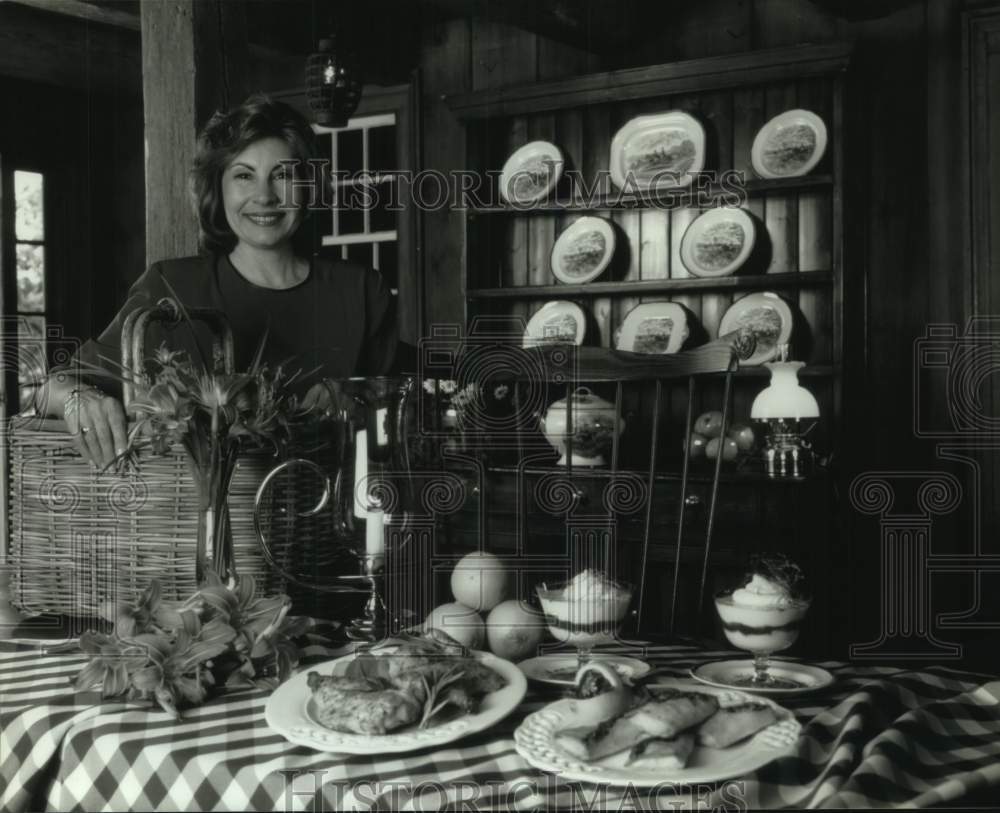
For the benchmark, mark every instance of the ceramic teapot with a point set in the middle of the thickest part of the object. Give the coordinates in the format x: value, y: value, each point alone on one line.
x: 594, y: 424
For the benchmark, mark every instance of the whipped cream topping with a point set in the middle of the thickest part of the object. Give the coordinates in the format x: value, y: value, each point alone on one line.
x: 591, y: 585
x: 762, y: 592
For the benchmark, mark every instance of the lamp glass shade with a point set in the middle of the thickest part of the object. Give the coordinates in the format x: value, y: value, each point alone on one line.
x: 333, y: 83
x: 784, y: 397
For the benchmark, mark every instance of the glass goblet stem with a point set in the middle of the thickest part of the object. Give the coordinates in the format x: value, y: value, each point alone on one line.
x: 583, y: 655
x: 761, y: 677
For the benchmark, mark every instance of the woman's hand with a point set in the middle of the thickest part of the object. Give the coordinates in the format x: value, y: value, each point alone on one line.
x: 97, y: 423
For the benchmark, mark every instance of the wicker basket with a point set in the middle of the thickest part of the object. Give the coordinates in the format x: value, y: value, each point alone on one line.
x: 79, y: 538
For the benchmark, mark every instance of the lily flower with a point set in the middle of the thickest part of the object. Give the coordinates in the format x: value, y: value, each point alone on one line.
x: 176, y: 672
x: 111, y: 662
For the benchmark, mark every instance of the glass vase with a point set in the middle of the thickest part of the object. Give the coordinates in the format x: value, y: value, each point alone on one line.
x: 215, y: 537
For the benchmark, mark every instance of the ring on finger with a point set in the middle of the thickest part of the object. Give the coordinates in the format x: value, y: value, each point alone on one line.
x: 84, y: 430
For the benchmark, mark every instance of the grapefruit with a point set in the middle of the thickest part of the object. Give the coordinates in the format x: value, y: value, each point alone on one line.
x: 514, y: 630
x: 459, y: 621
x: 479, y: 581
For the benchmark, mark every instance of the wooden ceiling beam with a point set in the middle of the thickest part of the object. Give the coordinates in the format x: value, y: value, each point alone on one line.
x: 82, y: 10
x: 50, y: 49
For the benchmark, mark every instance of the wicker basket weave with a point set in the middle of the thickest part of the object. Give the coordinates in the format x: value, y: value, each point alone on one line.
x: 79, y: 538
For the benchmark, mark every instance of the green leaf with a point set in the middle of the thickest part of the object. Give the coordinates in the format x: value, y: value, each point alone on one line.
x: 156, y: 644
x: 90, y: 676
x: 245, y: 590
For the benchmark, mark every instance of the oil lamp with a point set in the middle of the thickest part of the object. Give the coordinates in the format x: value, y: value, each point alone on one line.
x: 789, y: 411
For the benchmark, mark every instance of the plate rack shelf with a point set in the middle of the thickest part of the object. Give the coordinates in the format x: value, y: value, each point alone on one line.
x: 799, y: 255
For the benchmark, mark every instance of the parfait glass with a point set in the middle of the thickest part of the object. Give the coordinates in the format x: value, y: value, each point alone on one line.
x: 761, y: 631
x: 588, y: 619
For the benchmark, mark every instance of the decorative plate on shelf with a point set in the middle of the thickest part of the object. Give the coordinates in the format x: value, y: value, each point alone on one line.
x: 537, y: 740
x: 290, y: 712
x: 653, y: 327
x: 558, y: 322
x: 657, y: 152
x: 767, y: 316
x: 583, y: 250
x: 789, y: 145
x: 530, y: 173
x: 718, y: 242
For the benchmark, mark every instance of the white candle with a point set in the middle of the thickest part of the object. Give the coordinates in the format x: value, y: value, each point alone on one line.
x: 375, y: 533
x: 361, y: 473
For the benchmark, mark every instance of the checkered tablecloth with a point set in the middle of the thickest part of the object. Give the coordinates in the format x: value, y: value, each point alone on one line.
x: 879, y: 737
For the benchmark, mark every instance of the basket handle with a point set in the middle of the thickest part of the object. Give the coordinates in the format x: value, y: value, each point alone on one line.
x: 133, y: 341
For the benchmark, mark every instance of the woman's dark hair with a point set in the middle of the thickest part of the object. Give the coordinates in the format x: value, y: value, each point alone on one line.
x: 224, y: 137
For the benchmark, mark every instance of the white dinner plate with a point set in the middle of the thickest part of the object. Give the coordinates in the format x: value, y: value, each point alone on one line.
x: 535, y: 740
x: 789, y: 145
x: 767, y: 316
x: 583, y: 250
x: 657, y: 152
x: 289, y: 712
x: 558, y: 322
x: 718, y: 242
x: 560, y: 670
x: 735, y: 674
x: 530, y: 173
x: 653, y: 328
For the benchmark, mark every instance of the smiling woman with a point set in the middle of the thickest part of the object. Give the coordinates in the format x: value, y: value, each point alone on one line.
x: 251, y: 180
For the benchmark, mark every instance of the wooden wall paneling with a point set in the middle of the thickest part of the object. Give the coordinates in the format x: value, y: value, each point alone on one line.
x: 628, y: 229
x: 630, y: 224
x: 781, y: 210
x: 654, y: 248
x: 569, y: 137
x: 748, y: 118
x: 446, y: 55
x: 815, y: 240
x: 982, y: 61
x: 717, y: 119
x: 502, y: 55
x: 557, y: 59
x: 516, y: 237
x: 595, y: 147
x: 38, y: 46
x: 785, y: 22
x: 949, y: 206
x: 541, y: 228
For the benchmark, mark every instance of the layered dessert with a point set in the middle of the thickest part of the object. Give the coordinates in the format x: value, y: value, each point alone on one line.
x: 764, y: 614
x: 587, y: 610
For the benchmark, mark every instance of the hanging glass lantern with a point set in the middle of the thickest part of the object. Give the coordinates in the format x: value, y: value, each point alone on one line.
x: 333, y: 83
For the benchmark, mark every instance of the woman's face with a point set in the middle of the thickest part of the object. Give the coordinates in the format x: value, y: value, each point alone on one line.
x: 258, y: 195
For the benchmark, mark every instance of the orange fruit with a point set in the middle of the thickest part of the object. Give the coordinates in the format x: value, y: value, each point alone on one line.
x: 514, y: 630
x: 480, y: 581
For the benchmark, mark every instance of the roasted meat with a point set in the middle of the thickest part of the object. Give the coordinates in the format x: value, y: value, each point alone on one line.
x: 361, y: 706
x: 383, y: 691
